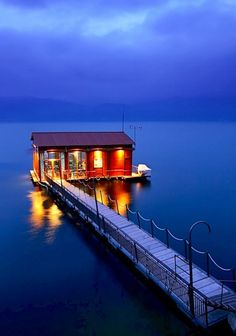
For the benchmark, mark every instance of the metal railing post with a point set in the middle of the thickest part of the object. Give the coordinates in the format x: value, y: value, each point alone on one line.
x: 117, y: 207
x: 104, y: 224
x: 222, y: 291
x: 99, y: 223
x: 109, y: 201
x: 96, y: 203
x: 136, y: 252
x: 139, y: 223
x: 127, y: 211
x: 101, y: 196
x: 234, y: 278
x: 208, y: 264
x: 185, y: 249
x: 167, y: 238
x: 206, y: 311
x: 191, y: 289
x: 175, y: 265
x: 152, y: 228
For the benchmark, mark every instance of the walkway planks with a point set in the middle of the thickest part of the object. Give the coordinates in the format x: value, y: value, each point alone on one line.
x: 207, y: 286
x: 161, y: 252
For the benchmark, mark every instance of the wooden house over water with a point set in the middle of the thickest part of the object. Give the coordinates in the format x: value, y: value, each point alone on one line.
x: 82, y: 155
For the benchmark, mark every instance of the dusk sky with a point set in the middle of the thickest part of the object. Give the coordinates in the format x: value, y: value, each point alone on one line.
x: 125, y: 51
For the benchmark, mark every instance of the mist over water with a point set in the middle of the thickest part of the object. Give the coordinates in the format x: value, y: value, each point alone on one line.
x: 58, y: 279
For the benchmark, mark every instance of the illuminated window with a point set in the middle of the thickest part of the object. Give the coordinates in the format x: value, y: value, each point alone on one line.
x: 53, y: 155
x: 98, y: 159
x: 77, y: 161
x: 73, y: 161
x: 120, y: 153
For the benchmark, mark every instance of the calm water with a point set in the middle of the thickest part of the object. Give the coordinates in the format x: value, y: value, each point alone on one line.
x: 58, y: 279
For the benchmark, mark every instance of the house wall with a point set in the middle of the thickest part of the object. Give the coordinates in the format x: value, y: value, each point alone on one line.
x: 128, y: 162
x: 89, y: 158
x: 92, y: 169
x: 36, y: 162
x: 106, y: 162
x: 116, y: 162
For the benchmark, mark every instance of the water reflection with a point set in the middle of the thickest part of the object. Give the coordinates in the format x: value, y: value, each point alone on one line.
x: 44, y: 214
x: 116, y: 193
x: 139, y: 186
x: 112, y: 191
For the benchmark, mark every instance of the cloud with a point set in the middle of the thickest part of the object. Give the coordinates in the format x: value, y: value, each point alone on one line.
x: 208, y: 19
x: 24, y: 3
x: 59, y: 20
x: 92, y: 5
x: 126, y: 52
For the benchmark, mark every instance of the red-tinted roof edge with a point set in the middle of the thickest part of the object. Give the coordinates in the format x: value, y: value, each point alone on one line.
x: 83, y: 138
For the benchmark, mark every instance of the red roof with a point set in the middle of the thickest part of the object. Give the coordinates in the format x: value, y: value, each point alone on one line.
x: 84, y: 139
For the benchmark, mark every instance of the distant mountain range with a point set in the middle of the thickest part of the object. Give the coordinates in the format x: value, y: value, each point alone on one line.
x: 43, y: 110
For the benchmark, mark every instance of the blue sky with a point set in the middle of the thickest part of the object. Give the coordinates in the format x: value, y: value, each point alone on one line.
x: 106, y: 51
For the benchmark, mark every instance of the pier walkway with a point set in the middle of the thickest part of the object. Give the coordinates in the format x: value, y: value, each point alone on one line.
x: 164, y: 266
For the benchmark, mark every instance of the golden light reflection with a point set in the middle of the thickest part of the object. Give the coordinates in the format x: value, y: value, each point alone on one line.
x: 117, y: 190
x: 37, y: 211
x: 123, y: 200
x: 44, y: 215
x: 138, y: 186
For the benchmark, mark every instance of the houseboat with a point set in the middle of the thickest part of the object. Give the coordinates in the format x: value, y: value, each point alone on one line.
x: 83, y: 155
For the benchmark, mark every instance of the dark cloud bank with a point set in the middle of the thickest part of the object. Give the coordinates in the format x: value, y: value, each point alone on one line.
x: 44, y: 110
x: 178, y: 65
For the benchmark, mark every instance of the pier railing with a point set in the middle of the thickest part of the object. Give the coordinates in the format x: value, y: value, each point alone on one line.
x: 158, y: 270
x: 163, y: 234
x: 166, y: 277
x: 87, y: 175
x: 168, y: 236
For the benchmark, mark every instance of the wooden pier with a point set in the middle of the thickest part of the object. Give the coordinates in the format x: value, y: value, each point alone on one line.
x: 34, y: 177
x: 211, y: 300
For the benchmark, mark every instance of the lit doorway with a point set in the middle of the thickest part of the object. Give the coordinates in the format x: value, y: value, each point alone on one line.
x: 77, y: 164
x: 52, y: 168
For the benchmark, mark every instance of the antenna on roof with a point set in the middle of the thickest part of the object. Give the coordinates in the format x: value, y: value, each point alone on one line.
x: 123, y: 119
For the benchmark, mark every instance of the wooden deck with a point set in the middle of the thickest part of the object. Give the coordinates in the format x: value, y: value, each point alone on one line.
x: 134, y: 176
x: 168, y: 269
x: 34, y: 177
